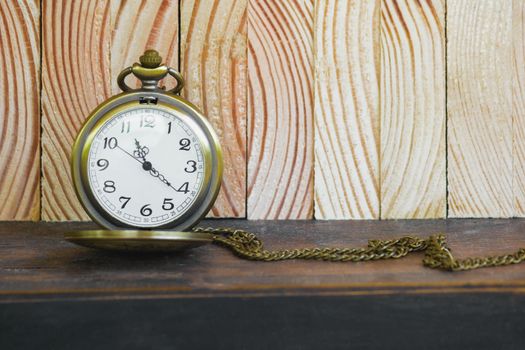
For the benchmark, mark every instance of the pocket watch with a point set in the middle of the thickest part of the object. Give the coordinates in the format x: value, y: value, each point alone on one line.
x: 146, y: 165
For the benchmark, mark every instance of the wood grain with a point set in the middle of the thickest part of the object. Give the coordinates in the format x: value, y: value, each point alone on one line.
x: 213, y: 62
x: 280, y: 109
x: 46, y: 266
x: 87, y: 65
x: 412, y: 89
x: 75, y: 79
x: 479, y: 106
x: 371, y: 72
x: 141, y: 25
x: 193, y: 299
x: 346, y: 109
x: 518, y: 105
x: 19, y: 110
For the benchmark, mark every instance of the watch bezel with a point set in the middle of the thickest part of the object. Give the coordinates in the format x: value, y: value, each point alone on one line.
x: 183, y: 109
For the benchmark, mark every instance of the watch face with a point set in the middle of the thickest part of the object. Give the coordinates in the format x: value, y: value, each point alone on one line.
x: 145, y: 167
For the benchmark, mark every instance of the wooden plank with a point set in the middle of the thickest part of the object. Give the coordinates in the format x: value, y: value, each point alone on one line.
x: 38, y: 268
x: 141, y: 25
x: 479, y: 98
x: 346, y: 109
x: 75, y: 79
x: 213, y: 62
x: 37, y: 264
x: 171, y: 300
x: 280, y: 109
x: 412, y: 89
x: 518, y: 106
x: 20, y: 110
x: 466, y: 320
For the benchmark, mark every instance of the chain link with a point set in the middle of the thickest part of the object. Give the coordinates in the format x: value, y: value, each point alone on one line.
x: 437, y: 254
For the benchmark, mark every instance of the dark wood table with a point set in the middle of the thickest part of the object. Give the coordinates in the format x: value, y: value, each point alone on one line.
x: 56, y: 295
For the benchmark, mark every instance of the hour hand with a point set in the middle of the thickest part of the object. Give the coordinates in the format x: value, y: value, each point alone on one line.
x: 141, y: 152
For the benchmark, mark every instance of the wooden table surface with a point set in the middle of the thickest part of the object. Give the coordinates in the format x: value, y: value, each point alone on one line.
x: 46, y: 282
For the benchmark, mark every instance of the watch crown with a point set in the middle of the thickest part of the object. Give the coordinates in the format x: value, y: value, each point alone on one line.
x: 150, y: 59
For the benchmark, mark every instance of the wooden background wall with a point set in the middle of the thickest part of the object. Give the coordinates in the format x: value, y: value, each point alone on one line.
x: 333, y: 109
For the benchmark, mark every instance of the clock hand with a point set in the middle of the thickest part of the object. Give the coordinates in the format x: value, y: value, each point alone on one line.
x: 141, y: 152
x: 129, y: 154
x: 155, y: 173
x: 146, y: 166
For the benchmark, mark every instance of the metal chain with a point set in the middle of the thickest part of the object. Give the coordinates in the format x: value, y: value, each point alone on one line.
x: 437, y: 254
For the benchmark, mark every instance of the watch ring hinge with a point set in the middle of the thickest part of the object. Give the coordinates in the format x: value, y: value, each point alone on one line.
x: 148, y: 100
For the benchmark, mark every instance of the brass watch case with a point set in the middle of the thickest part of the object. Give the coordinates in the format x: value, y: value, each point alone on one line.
x: 139, y: 240
x: 183, y: 109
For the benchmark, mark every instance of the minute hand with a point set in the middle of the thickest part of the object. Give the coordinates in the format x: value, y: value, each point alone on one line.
x: 142, y: 151
x: 129, y: 154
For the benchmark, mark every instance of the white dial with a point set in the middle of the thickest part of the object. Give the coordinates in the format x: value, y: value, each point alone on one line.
x: 145, y: 167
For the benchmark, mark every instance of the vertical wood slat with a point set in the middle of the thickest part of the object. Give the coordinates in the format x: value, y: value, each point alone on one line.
x: 81, y: 62
x: 280, y: 104
x: 518, y: 106
x: 75, y: 79
x: 346, y: 109
x: 412, y: 90
x: 479, y: 107
x: 213, y: 62
x: 461, y: 115
x: 19, y: 110
x: 141, y: 25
